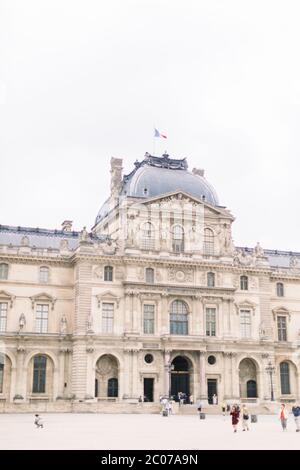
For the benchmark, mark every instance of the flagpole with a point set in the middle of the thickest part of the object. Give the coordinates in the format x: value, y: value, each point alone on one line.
x: 154, y: 140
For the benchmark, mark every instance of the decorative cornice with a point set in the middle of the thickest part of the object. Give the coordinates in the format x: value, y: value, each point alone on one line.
x: 4, y: 295
x: 43, y: 297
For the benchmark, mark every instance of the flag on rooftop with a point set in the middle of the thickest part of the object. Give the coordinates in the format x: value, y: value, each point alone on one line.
x: 159, y: 134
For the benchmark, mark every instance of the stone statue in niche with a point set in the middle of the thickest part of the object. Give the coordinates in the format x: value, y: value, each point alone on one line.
x: 84, y: 236
x: 22, y: 322
x: 262, y: 330
x: 89, y: 324
x: 293, y: 262
x: 225, y: 240
x: 63, y: 325
x: 64, y: 245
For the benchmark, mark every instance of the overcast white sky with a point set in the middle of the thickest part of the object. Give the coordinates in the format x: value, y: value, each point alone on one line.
x: 84, y: 80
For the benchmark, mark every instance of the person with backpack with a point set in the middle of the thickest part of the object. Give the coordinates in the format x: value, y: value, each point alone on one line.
x: 38, y: 421
x: 296, y: 413
x: 245, y: 416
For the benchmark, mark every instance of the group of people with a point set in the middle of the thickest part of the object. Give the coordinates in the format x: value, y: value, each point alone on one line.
x: 283, y: 415
x: 166, y: 406
x: 236, y: 413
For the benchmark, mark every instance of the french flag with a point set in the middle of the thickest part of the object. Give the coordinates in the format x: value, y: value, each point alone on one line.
x: 158, y: 134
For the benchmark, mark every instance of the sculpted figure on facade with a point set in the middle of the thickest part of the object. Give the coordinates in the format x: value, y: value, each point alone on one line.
x: 89, y: 323
x: 225, y: 240
x: 293, y: 262
x: 83, y: 236
x: 258, y: 251
x: 63, y: 325
x: 22, y: 322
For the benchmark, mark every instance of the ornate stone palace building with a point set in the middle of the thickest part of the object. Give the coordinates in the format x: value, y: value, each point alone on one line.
x: 155, y: 300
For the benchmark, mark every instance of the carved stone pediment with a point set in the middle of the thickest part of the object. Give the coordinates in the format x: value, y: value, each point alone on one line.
x: 246, y: 305
x: 43, y: 297
x: 181, y: 275
x: 7, y: 297
x: 281, y: 311
x: 108, y: 296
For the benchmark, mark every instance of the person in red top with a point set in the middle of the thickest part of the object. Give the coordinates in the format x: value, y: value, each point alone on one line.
x: 235, y: 414
x: 283, y: 416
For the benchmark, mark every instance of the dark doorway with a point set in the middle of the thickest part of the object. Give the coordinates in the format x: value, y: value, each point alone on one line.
x: 112, y: 387
x: 96, y: 387
x: 251, y: 389
x: 211, y: 390
x: 180, y: 378
x: 148, y: 389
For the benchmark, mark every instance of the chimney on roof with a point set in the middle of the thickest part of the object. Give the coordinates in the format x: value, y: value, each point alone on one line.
x: 198, y: 172
x: 66, y: 226
x: 116, y: 176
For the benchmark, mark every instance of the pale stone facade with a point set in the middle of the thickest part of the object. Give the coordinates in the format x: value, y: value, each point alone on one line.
x: 156, y: 299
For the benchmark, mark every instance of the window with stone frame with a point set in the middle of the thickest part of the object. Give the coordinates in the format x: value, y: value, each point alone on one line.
x: 44, y: 274
x: 107, y: 317
x: 150, y: 275
x: 282, y: 327
x: 3, y: 316
x: 39, y: 374
x: 280, y: 289
x: 285, y: 378
x: 211, y: 317
x: 149, y: 318
x: 209, y: 242
x: 244, y: 283
x: 148, y: 236
x: 245, y: 323
x: 179, y: 318
x: 108, y: 273
x: 211, y: 279
x: 41, y: 318
x: 178, y: 239
x: 3, y: 271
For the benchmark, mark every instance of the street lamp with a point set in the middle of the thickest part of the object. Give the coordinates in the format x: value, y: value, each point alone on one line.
x: 270, y: 370
x: 170, y: 368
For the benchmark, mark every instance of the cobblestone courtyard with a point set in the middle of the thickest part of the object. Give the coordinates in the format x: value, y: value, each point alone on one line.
x: 104, y: 431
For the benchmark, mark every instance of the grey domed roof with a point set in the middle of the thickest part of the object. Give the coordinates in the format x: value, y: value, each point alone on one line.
x: 160, y: 175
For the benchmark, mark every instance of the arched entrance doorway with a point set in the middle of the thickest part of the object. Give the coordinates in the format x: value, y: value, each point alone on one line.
x: 107, y: 377
x: 180, y: 377
x: 248, y: 379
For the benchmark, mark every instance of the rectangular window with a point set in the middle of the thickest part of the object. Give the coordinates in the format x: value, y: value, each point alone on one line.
x: 210, y: 322
x: 149, y: 311
x: 39, y: 374
x: 3, y: 316
x: 245, y: 323
x: 41, y: 320
x: 281, y: 328
x: 107, y: 318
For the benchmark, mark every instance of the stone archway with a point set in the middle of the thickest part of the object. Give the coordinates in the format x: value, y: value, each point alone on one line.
x: 40, y: 376
x: 248, y: 379
x: 5, y: 375
x: 181, y: 375
x: 107, y: 377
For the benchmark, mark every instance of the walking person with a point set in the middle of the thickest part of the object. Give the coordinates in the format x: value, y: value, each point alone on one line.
x: 283, y: 416
x: 223, y: 407
x: 296, y: 413
x: 235, y: 414
x: 38, y: 421
x: 245, y: 416
x: 215, y: 399
x: 191, y: 400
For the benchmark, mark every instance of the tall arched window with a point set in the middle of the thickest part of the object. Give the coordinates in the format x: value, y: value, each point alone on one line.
x: 209, y: 242
x: 39, y: 374
x: 178, y: 239
x: 150, y: 275
x: 285, y: 378
x: 244, y: 282
x: 108, y: 273
x: 3, y: 271
x: 44, y: 274
x: 210, y: 279
x: 112, y: 387
x: 280, y: 289
x: 148, y: 236
x: 179, y: 318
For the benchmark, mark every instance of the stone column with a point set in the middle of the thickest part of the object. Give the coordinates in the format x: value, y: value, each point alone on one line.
x: 91, y: 373
x: 235, y: 377
x: 203, y: 384
x: 197, y: 316
x: 61, y: 366
x: 167, y: 379
x: 227, y: 376
x: 127, y: 313
x: 165, y: 315
x: 20, y: 388
x: 135, y: 313
x: 134, y: 374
